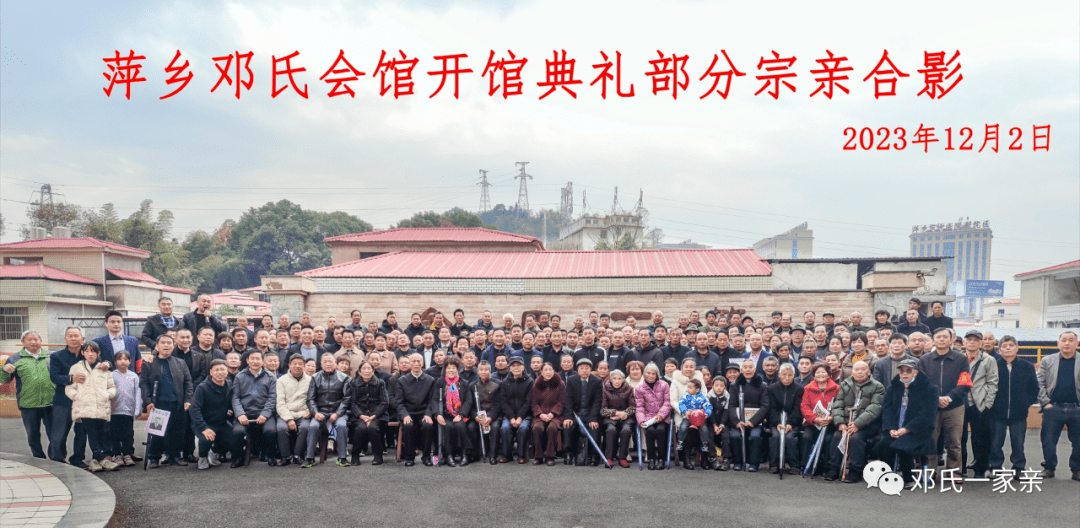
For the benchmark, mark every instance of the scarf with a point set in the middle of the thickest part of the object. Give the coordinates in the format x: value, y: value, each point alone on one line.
x: 453, y: 399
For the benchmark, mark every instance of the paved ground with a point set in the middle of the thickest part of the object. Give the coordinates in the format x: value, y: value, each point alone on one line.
x: 42, y: 493
x: 513, y: 495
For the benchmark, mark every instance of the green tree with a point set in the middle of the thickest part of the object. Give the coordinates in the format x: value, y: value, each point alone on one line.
x: 456, y: 217
x: 103, y: 224
x: 282, y: 238
x: 51, y: 216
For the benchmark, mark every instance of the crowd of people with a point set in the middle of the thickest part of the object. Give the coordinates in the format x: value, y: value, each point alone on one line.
x: 721, y: 392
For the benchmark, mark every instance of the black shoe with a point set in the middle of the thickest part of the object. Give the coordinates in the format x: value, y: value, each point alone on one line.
x: 377, y: 459
x: 503, y: 460
x: 176, y: 462
x: 262, y: 457
x: 449, y: 462
x: 851, y: 479
x: 521, y: 460
x: 724, y: 466
x: 190, y: 458
x: 285, y: 462
x: 410, y: 462
x: 568, y: 460
x: 239, y: 462
x: 1076, y: 475
x: 493, y: 461
x: 752, y: 468
x: 830, y: 476
x: 355, y: 460
x: 272, y: 462
x: 427, y: 462
x: 136, y: 458
x: 595, y: 461
x: 551, y: 461
x: 153, y: 464
x: 464, y: 462
x: 79, y: 464
x: 652, y: 465
x: 773, y: 469
x: 538, y: 461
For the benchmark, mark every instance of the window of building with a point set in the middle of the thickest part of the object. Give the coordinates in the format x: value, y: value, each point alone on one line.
x: 13, y: 322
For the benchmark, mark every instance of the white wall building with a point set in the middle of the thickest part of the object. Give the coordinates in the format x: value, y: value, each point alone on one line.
x: 1050, y: 297
x: 795, y: 243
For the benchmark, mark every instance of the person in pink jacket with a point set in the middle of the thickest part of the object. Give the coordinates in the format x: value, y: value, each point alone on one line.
x: 653, y: 408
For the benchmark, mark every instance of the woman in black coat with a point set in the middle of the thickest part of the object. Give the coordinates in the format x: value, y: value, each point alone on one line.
x: 453, y: 406
x: 367, y: 408
x: 908, y: 436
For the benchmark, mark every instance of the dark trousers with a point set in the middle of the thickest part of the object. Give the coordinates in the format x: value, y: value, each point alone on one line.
x: 1054, y: 419
x: 575, y: 443
x: 980, y: 440
x: 856, y: 453
x: 508, y: 433
x: 476, y: 437
x: 617, y: 431
x: 901, y: 462
x: 454, y: 437
x: 290, y: 442
x: 122, y: 434
x: 1017, y: 431
x: 656, y: 440
x: 409, y: 433
x: 97, y: 433
x: 170, y: 443
x: 753, y: 445
x: 187, y: 446
x: 62, y: 425
x: 263, y: 437
x: 32, y: 418
x: 723, y: 441
x: 791, y: 448
x: 224, y: 441
x: 809, y: 438
x: 363, y: 433
x: 542, y: 431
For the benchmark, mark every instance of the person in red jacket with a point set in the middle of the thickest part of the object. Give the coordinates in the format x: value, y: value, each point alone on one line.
x: 822, y: 390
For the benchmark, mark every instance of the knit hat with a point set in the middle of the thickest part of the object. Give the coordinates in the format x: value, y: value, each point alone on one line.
x: 516, y: 359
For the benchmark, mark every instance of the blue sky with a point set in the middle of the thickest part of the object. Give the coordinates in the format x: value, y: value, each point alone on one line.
x: 722, y: 172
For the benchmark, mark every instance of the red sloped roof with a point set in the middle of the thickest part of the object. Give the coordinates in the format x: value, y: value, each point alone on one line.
x: 41, y: 271
x: 434, y: 234
x: 1073, y: 264
x: 71, y: 243
x: 554, y: 264
x: 174, y: 289
x: 133, y: 275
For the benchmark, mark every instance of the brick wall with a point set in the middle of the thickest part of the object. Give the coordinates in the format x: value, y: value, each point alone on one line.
x: 756, y: 304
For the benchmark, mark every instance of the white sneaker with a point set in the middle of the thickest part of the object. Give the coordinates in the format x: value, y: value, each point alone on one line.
x: 204, y: 463
x: 94, y: 466
x: 108, y: 465
x: 212, y: 459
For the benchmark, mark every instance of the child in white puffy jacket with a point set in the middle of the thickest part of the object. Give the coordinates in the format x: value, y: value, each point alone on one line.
x: 91, y: 405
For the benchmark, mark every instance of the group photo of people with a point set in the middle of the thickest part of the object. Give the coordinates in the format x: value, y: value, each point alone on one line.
x: 816, y: 395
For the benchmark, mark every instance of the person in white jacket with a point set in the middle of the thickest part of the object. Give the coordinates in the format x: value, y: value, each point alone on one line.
x: 292, y: 410
x: 91, y: 404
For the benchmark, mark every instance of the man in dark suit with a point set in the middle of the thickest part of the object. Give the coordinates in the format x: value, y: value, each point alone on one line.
x: 115, y: 341
x: 159, y: 323
x: 583, y: 393
x: 201, y: 316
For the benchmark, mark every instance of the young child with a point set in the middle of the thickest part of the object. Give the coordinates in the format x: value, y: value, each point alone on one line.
x: 692, y: 401
x: 718, y: 398
x: 91, y: 405
x: 126, y: 406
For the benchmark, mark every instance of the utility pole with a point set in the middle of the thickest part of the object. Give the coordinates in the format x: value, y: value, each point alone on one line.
x: 566, y: 206
x: 523, y: 190
x: 545, y: 229
x: 615, y: 204
x: 45, y: 196
x: 485, y: 200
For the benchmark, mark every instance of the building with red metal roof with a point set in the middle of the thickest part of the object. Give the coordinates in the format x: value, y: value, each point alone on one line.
x: 346, y: 248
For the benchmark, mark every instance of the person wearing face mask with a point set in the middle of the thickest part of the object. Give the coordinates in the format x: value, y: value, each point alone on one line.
x: 907, y: 420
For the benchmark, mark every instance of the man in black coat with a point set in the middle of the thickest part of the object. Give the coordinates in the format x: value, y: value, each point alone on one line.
x: 174, y: 393
x: 413, y: 399
x: 588, y: 349
x: 1018, y: 389
x: 756, y: 406
x: 156, y: 325
x: 703, y: 357
x: 201, y: 316
x: 583, y: 393
x: 785, y: 396
x: 907, y: 419
x: 513, y: 398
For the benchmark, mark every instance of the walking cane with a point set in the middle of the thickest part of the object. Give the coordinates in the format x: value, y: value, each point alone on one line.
x: 670, y: 433
x: 639, y: 466
x: 783, y: 440
x: 150, y: 437
x: 742, y: 416
x: 439, y: 457
x: 811, y: 461
x: 847, y: 437
x: 592, y: 440
x: 483, y: 447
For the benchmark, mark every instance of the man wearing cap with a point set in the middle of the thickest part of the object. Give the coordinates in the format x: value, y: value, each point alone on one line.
x: 829, y: 321
x: 513, y: 397
x: 907, y: 419
x: 984, y: 386
x: 798, y: 337
x: 865, y: 395
x: 1059, y: 396
x: 947, y: 370
x: 583, y: 394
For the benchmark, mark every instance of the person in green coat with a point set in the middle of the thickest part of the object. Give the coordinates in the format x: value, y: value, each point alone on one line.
x: 33, y: 388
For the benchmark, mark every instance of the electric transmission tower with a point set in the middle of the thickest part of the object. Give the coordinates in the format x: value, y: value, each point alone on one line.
x: 485, y: 200
x: 615, y: 203
x: 566, y: 207
x: 523, y: 190
x: 45, y: 196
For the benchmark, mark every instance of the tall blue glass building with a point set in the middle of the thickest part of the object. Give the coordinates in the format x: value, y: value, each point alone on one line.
x: 966, y: 246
